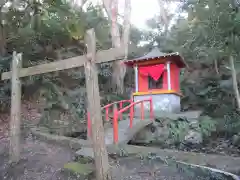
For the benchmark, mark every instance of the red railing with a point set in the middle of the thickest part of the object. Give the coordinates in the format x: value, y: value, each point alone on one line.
x: 120, y: 103
x: 117, y: 114
x: 107, y: 108
x: 131, y: 115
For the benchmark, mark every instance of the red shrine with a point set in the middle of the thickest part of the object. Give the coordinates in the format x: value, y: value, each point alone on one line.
x: 157, y: 76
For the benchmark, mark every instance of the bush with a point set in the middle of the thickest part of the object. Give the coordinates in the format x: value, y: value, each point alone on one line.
x: 179, y: 129
x: 229, y: 125
x: 207, y: 126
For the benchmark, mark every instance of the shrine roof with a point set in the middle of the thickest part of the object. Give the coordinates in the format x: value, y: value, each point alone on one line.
x: 156, y: 54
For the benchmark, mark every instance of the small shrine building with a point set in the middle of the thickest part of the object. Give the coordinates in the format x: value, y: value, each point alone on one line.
x: 157, y: 75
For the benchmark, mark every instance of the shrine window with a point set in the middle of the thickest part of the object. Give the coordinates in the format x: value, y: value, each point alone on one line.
x: 153, y: 75
x: 155, y: 84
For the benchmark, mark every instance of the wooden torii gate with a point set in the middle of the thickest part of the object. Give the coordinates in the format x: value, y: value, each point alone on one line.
x: 89, y: 62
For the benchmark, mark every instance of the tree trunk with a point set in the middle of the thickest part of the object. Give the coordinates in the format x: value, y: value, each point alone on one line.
x: 163, y: 14
x: 94, y: 107
x: 116, y: 39
x: 2, y: 37
x: 119, y: 70
x: 216, y: 66
x: 235, y: 83
x: 126, y: 25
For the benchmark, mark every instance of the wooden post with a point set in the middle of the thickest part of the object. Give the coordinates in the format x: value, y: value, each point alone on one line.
x: 15, y: 109
x: 94, y: 107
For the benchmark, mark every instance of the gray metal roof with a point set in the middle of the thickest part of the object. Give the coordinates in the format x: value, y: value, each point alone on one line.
x: 155, y: 53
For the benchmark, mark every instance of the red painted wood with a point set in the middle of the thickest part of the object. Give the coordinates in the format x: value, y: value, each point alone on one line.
x: 117, y: 113
x: 120, y: 107
x: 115, y: 125
x: 142, y: 111
x: 175, y: 72
x: 142, y: 83
x: 131, y: 116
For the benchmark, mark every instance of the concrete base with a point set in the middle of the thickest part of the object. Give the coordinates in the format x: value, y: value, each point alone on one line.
x: 161, y: 102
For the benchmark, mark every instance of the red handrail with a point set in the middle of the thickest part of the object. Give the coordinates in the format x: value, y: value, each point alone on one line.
x: 112, y: 104
x: 131, y: 107
x: 118, y: 113
x: 106, y: 107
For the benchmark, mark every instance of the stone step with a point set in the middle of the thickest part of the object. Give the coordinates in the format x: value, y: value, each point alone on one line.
x: 86, y: 152
x: 125, y: 133
x: 174, y: 116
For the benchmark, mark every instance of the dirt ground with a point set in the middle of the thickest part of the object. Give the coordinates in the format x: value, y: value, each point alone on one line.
x: 45, y: 161
x: 39, y: 161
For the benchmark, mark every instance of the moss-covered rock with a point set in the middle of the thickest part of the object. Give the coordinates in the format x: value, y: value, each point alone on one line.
x: 83, y: 170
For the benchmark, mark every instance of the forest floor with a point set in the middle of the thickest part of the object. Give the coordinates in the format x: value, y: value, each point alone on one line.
x: 44, y: 160
x: 219, y: 145
x: 41, y: 160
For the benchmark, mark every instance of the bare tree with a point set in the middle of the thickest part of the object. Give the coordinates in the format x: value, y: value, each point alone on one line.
x: 3, y: 11
x: 235, y: 83
x: 165, y: 16
x: 119, y: 69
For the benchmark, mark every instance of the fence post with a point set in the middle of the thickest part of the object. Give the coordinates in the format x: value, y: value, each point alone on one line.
x: 94, y: 109
x: 120, y: 107
x: 115, y: 124
x: 142, y: 110
x: 131, y: 116
x: 15, y: 108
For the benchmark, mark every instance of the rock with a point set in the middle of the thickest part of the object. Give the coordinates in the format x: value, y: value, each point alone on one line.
x: 152, y: 133
x: 193, y: 137
x: 236, y: 139
x: 84, y: 170
x: 146, y: 135
x: 159, y: 132
x: 194, y: 124
x: 86, y: 152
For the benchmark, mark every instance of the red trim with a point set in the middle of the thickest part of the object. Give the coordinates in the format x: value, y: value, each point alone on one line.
x: 175, y: 73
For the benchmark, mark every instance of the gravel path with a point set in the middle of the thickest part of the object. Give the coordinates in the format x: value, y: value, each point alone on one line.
x: 134, y: 168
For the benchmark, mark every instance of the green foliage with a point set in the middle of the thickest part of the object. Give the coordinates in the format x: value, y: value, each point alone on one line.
x: 178, y: 129
x: 207, y: 93
x: 45, y: 31
x: 56, y: 100
x: 207, y: 126
x: 229, y: 125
